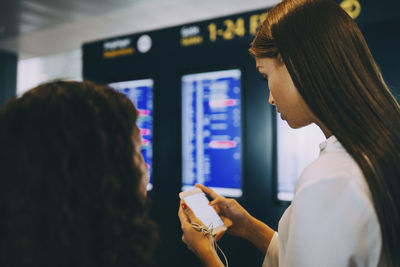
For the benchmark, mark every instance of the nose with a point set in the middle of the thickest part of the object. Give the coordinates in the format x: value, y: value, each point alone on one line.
x: 271, y: 99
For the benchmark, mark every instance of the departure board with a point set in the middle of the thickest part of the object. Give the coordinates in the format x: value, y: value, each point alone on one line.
x: 211, y: 131
x: 140, y: 92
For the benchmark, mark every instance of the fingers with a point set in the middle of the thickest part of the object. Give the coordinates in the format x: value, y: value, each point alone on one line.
x: 228, y: 222
x: 217, y: 209
x: 186, y: 215
x: 186, y: 243
x: 182, y: 216
x: 219, y: 202
x: 223, y: 205
x: 219, y: 235
x: 189, y: 214
x: 208, y: 191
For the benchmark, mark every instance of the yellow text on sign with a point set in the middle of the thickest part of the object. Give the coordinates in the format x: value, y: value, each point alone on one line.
x: 194, y: 40
x: 255, y: 22
x: 119, y: 52
x: 352, y: 7
x: 230, y: 30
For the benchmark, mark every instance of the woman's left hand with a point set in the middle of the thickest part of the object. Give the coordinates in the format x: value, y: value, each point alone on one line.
x: 195, y: 240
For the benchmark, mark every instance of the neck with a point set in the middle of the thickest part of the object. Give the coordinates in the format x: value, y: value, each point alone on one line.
x: 325, y: 130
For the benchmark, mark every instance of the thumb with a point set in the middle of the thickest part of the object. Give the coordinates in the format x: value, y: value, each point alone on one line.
x: 220, y: 204
x: 189, y: 214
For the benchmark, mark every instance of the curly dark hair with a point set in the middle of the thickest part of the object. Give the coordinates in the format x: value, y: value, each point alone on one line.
x: 69, y: 188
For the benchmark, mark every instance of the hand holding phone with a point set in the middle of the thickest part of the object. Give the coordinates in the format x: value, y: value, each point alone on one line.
x: 198, y: 203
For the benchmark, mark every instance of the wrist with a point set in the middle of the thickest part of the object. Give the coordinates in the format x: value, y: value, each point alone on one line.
x: 209, y: 257
x: 259, y: 234
x: 250, y: 224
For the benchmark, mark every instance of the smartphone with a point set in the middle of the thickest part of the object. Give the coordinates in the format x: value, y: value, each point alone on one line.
x: 198, y: 203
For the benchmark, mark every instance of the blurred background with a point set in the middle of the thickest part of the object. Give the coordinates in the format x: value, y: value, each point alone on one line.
x: 161, y: 54
x: 48, y: 33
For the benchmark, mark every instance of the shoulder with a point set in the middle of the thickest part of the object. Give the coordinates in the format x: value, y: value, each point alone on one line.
x: 332, y: 189
x: 335, y: 220
x: 331, y: 211
x: 335, y: 167
x: 334, y: 182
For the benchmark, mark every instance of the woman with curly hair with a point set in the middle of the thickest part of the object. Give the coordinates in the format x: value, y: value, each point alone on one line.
x: 73, y: 180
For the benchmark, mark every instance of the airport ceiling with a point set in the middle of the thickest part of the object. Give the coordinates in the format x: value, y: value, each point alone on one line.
x: 33, y: 28
x: 24, y: 16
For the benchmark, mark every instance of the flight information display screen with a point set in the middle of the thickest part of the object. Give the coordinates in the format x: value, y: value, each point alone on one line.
x: 296, y: 149
x: 140, y: 92
x: 211, y: 131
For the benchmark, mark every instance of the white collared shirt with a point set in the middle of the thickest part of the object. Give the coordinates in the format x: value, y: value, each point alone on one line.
x: 331, y: 220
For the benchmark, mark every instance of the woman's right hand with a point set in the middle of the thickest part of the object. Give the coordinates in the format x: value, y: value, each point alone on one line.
x: 243, y: 224
x: 231, y: 209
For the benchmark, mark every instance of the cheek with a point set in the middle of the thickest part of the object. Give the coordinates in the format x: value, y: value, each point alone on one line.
x: 141, y: 165
x: 274, y: 91
x: 139, y: 162
x: 283, y: 92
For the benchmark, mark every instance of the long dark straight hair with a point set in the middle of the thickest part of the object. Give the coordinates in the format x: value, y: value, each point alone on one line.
x: 332, y: 68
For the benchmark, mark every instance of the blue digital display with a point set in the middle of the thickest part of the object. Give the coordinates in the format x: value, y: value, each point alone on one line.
x: 211, y: 131
x: 140, y: 92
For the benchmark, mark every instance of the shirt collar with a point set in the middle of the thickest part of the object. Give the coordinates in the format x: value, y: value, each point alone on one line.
x: 330, y: 144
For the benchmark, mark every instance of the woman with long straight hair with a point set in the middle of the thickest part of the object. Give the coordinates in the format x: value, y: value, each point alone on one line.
x: 346, y: 206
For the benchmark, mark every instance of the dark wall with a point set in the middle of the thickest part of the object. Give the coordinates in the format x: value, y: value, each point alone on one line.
x: 8, y: 76
x: 165, y: 63
x: 379, y: 22
x: 383, y: 39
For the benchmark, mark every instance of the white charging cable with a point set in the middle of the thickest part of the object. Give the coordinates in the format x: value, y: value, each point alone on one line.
x: 206, y: 231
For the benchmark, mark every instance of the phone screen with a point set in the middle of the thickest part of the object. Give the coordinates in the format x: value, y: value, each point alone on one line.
x: 198, y: 203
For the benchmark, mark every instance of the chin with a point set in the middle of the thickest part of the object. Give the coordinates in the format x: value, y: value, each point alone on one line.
x: 297, y: 125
